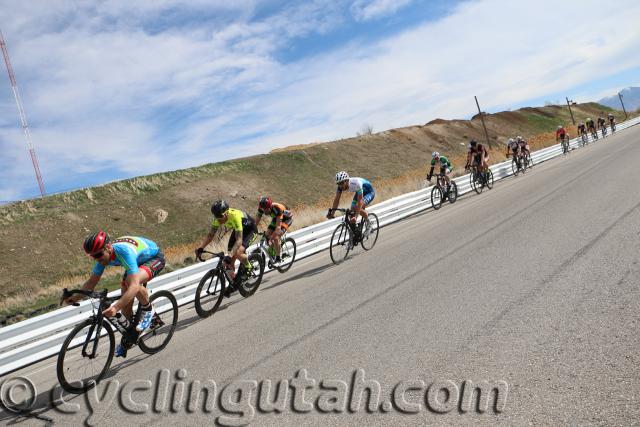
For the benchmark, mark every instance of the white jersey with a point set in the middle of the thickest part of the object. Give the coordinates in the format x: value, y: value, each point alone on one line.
x: 358, y: 185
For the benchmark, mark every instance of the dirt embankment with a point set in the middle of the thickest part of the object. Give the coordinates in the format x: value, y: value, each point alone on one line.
x: 40, y: 240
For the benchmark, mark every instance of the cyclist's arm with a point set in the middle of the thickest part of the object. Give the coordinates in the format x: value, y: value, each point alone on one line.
x: 89, y: 285
x: 336, y: 200
x: 430, y: 174
x: 209, y: 237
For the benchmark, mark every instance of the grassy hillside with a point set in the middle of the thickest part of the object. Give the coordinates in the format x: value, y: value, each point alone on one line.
x: 40, y: 239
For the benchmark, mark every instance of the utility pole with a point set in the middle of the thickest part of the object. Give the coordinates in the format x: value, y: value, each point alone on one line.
x: 625, y: 111
x: 570, y: 112
x: 486, y: 134
x: 23, y: 117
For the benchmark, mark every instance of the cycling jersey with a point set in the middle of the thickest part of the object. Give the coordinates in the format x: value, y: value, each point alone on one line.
x: 580, y: 128
x: 237, y: 220
x: 601, y: 121
x: 278, y: 211
x: 358, y: 186
x: 129, y: 252
x: 561, y: 132
x: 591, y: 124
x: 444, y: 163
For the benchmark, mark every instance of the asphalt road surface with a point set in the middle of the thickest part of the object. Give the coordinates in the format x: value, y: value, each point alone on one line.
x: 532, y: 287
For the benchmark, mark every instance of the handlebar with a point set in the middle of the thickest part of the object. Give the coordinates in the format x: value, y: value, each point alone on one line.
x: 91, y: 294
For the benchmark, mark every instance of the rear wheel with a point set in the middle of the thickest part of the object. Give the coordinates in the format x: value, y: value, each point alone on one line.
x: 436, y: 197
x: 370, y: 237
x: 287, y: 254
x: 453, y: 192
x: 341, y: 242
x: 85, y: 358
x: 163, y: 324
x: 248, y: 287
x: 209, y: 293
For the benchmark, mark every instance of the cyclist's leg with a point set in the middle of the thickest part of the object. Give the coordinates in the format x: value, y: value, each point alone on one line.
x: 367, y: 198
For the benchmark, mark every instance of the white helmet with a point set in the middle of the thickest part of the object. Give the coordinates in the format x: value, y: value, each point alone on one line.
x: 435, y: 154
x: 519, y: 138
x: 559, y: 127
x: 341, y: 176
x: 511, y: 141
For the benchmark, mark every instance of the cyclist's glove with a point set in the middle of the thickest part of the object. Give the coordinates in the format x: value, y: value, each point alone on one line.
x: 330, y: 214
x: 199, y: 252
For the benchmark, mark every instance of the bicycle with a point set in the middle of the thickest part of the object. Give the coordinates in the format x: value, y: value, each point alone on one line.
x: 518, y: 163
x: 479, y: 180
x: 613, y: 128
x: 211, y: 288
x: 88, y: 334
x: 584, y: 138
x: 604, y: 130
x: 268, y: 252
x: 439, y: 192
x: 594, y: 133
x: 347, y: 235
x: 564, y: 141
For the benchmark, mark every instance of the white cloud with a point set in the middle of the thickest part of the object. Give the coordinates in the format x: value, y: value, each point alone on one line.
x: 365, y: 10
x: 133, y: 87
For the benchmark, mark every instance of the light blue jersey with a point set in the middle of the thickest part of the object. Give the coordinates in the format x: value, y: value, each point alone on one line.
x: 129, y: 252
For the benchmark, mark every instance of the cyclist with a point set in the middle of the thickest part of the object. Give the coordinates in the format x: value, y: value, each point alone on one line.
x: 477, y: 156
x: 142, y: 261
x: 243, y: 228
x: 445, y: 168
x: 602, y: 124
x: 514, y: 147
x: 364, y: 195
x: 612, y: 121
x: 524, y: 145
x: 561, y: 133
x: 281, y: 220
x: 582, y: 130
x: 591, y: 126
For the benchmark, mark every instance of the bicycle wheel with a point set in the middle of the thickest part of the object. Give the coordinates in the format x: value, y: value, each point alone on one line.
x: 370, y: 238
x: 489, y: 181
x: 528, y: 161
x: 453, y: 192
x: 163, y: 324
x: 76, y: 372
x: 436, y: 197
x: 287, y: 254
x: 514, y: 167
x: 341, y: 243
x: 475, y: 182
x: 248, y: 287
x: 209, y: 293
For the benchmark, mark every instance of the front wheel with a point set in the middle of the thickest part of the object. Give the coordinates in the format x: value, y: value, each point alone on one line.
x: 163, y: 324
x: 209, y: 293
x: 475, y: 181
x: 287, y: 254
x: 515, y: 167
x: 436, y: 197
x: 85, y: 357
x: 341, y: 243
x: 370, y: 236
x: 250, y: 285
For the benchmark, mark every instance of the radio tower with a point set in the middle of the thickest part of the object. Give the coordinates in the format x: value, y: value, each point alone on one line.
x: 23, y: 118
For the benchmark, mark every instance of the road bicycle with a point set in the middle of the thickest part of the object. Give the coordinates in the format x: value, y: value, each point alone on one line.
x: 613, y: 127
x: 211, y: 288
x: 594, y: 133
x: 348, y: 235
x: 268, y: 252
x: 518, y: 163
x: 584, y: 138
x: 479, y: 180
x: 440, y: 192
x: 564, y: 141
x: 87, y: 352
x: 604, y: 130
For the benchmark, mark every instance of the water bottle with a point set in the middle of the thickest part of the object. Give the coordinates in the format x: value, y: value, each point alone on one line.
x: 122, y: 320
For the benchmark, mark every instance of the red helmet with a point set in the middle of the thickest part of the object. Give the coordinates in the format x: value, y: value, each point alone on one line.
x: 96, y: 242
x: 265, y: 202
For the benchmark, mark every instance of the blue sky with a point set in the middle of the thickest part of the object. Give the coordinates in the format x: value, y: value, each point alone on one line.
x: 116, y: 89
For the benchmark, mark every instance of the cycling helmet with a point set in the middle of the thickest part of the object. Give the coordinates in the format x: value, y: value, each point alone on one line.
x: 610, y: 115
x: 511, y: 140
x: 219, y: 208
x: 473, y: 143
x: 519, y: 138
x: 265, y: 202
x: 435, y: 155
x: 96, y: 242
x: 341, y: 176
x: 559, y: 127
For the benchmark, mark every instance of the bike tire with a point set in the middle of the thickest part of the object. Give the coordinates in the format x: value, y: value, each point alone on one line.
x: 370, y: 241
x: 490, y: 180
x: 160, y: 319
x: 453, y: 192
x: 290, y: 244
x: 436, y: 197
x: 250, y: 286
x: 205, y: 295
x: 341, y: 238
x: 514, y: 167
x: 62, y: 367
x: 475, y: 183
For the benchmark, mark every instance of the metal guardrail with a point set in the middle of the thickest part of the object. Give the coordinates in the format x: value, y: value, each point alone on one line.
x: 41, y: 337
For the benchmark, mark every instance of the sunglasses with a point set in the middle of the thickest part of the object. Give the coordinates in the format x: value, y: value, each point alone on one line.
x: 98, y: 255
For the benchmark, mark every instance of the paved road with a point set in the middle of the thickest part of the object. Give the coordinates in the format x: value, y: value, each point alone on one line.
x: 532, y: 286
